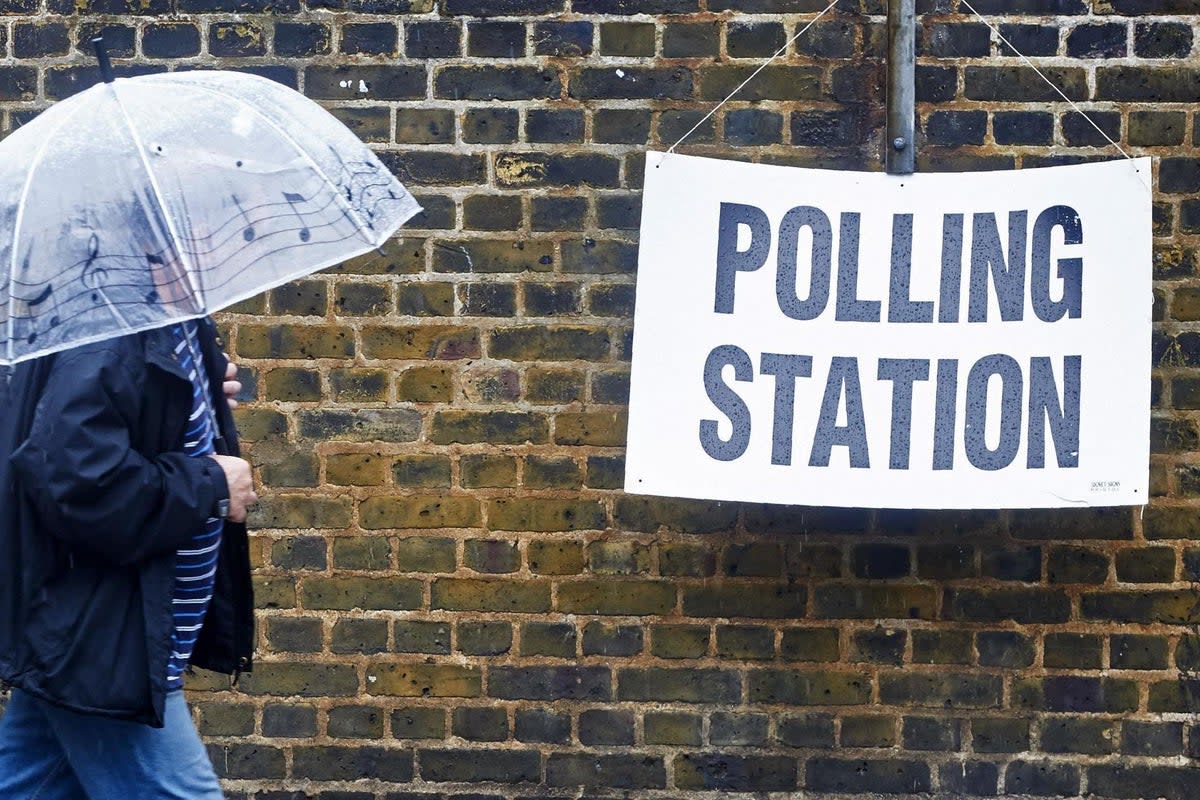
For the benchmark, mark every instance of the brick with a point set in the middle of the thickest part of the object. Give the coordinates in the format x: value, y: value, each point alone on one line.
x: 236, y: 40
x: 879, y: 645
x: 469, y: 766
x: 288, y: 721
x: 602, y: 639
x: 415, y: 636
x: 1072, y: 650
x: 423, y: 680
x: 382, y: 82
x: 690, y: 39
x: 809, y: 644
x: 462, y: 594
x: 554, y: 126
x: 294, y: 39
x: 488, y: 471
x: 942, y: 647
x: 285, y: 679
x: 551, y: 473
x: 679, y: 685
x: 247, y: 761
x: 1162, y: 40
x: 1021, y: 605
x: 480, y: 724
x: 616, y: 597
x: 806, y: 730
x: 1105, y: 40
x: 931, y: 733
x: 356, y: 722
x: 1076, y: 694
x: 1130, y: 781
x: 555, y: 558
x: 669, y: 727
x: 1022, y: 83
x: 1151, y: 738
x: 998, y: 735
x: 680, y: 641
x: 745, y: 642
x: 598, y: 257
x: 1079, y: 735
x: 417, y: 511
x: 496, y: 82
x: 874, y: 602
x: 1146, y: 565
x: 552, y: 639
x: 756, y: 600
x: 880, y: 561
x: 496, y: 427
x: 949, y: 690
x: 550, y: 683
x: 1133, y: 651
x: 819, y: 688
x: 297, y: 511
x: 611, y: 771
x: 294, y: 634
x: 604, y: 727
x: 371, y: 39
x: 542, y: 726
x: 484, y: 638
x: 735, y: 773
x: 868, y: 731
x: 627, y: 39
x: 360, y: 592
x: 636, y: 83
x: 1176, y: 85
x: 432, y: 38
x: 867, y: 775
x: 1171, y: 608
x: 562, y: 39
x: 418, y: 723
x: 621, y: 126
x: 1076, y: 565
x: 1042, y: 778
x: 748, y: 127
x: 545, y: 514
x: 618, y: 558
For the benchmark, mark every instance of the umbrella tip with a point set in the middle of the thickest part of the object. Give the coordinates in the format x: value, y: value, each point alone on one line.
x: 106, y: 70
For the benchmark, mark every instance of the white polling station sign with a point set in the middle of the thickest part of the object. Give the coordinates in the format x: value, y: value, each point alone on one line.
x: 814, y: 337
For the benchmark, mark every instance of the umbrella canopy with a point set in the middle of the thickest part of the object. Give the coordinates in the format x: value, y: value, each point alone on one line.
x: 159, y: 198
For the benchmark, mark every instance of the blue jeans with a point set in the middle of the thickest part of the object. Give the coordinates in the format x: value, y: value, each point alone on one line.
x: 48, y: 753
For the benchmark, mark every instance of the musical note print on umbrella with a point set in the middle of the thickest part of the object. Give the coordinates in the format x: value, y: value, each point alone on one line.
x: 174, y: 195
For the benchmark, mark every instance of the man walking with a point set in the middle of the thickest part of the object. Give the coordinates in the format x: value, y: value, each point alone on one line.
x: 123, y: 560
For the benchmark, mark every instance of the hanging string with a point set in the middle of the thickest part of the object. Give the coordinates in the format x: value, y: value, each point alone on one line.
x: 761, y: 67
x: 1042, y: 75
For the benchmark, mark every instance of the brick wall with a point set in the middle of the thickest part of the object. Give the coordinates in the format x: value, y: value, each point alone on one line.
x: 457, y: 599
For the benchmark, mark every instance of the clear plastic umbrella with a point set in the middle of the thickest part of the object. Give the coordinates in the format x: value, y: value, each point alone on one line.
x: 148, y: 200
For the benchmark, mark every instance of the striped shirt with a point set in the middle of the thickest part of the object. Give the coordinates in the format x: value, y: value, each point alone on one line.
x: 196, y: 564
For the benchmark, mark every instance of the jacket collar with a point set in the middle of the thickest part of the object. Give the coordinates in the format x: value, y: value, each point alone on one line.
x: 159, y: 346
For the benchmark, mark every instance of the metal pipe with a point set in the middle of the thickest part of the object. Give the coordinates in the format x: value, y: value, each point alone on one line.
x: 900, y: 148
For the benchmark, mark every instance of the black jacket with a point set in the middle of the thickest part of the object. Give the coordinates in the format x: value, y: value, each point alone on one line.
x: 96, y: 495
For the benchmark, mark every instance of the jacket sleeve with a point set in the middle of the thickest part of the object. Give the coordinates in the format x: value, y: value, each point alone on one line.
x: 89, y: 486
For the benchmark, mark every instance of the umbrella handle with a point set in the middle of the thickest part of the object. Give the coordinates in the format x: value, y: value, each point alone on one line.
x: 106, y: 70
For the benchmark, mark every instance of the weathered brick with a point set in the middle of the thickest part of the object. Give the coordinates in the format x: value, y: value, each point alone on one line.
x: 419, y: 511
x: 360, y: 592
x: 423, y: 680
x: 616, y: 597
x: 463, y: 594
x: 550, y: 683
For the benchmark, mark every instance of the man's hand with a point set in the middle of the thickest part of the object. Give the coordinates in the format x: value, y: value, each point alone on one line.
x: 231, y: 386
x: 241, y: 486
